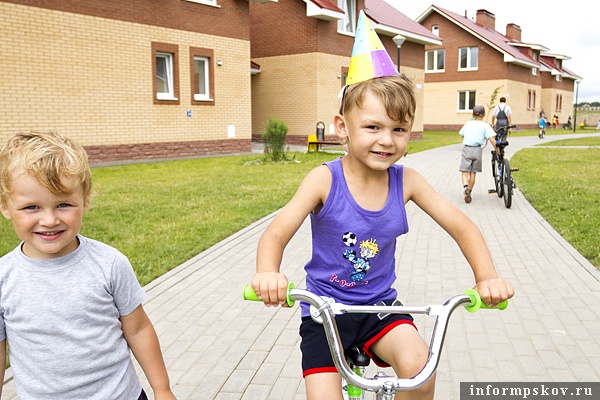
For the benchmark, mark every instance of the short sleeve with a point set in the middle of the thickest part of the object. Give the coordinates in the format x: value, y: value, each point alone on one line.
x: 127, y: 292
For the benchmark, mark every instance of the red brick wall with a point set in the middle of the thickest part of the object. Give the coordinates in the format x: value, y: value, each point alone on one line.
x: 153, y: 151
x: 491, y: 61
x: 230, y: 19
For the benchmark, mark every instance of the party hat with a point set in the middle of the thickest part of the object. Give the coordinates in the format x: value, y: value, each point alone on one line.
x: 369, y: 57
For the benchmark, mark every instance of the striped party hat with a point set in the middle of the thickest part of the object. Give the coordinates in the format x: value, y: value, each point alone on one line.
x: 369, y: 57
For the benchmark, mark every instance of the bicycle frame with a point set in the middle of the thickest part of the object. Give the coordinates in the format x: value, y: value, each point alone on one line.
x: 324, y: 310
x: 501, y: 171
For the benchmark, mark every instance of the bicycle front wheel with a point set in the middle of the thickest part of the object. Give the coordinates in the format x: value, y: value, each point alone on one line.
x: 497, y: 172
x: 507, y: 184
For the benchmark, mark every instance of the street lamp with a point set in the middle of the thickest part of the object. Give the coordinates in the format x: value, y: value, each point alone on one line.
x: 576, y: 101
x: 399, y: 39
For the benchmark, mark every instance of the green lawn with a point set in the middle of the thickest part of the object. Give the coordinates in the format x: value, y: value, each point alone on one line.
x: 162, y: 214
x: 562, y: 185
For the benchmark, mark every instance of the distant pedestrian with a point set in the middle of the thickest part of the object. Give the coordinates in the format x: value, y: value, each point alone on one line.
x: 474, y: 132
x: 502, y: 114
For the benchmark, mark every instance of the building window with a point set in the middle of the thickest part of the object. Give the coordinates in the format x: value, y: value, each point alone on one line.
x: 202, y: 75
x: 468, y: 58
x: 558, y: 77
x: 435, y: 60
x: 558, y: 102
x: 348, y: 23
x: 466, y: 100
x: 435, y: 29
x: 344, y: 76
x: 535, y: 57
x: 165, y: 72
x: 164, y: 76
x: 531, y: 99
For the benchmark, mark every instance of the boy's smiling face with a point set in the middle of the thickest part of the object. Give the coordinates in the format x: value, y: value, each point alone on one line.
x: 47, y: 223
x: 373, y: 137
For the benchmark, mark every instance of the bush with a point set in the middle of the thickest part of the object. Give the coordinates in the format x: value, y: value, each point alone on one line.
x: 274, y: 139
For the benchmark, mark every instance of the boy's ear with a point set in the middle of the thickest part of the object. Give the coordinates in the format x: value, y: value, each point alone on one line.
x: 4, y: 210
x: 86, y: 203
x: 340, y: 126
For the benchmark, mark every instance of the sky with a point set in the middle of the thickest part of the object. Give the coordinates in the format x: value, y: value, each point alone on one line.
x: 570, y: 28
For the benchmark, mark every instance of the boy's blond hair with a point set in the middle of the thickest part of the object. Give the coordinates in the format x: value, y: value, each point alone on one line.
x: 57, y: 162
x: 396, y: 92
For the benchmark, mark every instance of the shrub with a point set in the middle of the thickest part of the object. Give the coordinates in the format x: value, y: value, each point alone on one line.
x: 274, y: 139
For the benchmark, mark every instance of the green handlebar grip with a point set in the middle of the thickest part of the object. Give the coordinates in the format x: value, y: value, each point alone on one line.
x: 476, y: 302
x: 249, y: 294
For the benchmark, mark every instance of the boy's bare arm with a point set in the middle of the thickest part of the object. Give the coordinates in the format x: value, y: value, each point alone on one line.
x: 143, y: 341
x: 269, y: 283
x: 463, y: 230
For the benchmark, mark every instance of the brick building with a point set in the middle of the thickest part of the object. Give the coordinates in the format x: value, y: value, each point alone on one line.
x: 304, y: 55
x: 475, y: 60
x: 129, y: 80
x: 144, y: 79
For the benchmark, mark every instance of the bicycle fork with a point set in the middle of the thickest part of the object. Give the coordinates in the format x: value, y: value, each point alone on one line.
x: 352, y: 392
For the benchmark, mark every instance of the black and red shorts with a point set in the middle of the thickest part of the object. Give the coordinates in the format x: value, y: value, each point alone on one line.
x: 356, y: 330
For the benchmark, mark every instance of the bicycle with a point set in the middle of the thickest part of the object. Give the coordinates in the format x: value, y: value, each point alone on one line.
x: 501, y: 171
x: 352, y: 363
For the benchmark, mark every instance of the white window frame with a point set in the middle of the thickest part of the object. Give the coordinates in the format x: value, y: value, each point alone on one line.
x: 435, y: 55
x: 170, y: 93
x: 467, y: 100
x: 349, y: 20
x: 470, y: 57
x: 203, y: 96
x: 435, y: 29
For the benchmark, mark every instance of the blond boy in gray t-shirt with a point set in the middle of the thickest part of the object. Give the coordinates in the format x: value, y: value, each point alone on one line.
x: 70, y: 307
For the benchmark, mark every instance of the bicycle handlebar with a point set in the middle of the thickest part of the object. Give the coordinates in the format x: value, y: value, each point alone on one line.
x: 292, y: 295
x: 325, y: 312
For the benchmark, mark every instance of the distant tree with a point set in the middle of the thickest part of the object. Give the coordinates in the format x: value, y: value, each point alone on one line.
x: 492, y: 102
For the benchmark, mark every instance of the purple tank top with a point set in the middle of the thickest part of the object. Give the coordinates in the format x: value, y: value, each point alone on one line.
x: 353, y: 249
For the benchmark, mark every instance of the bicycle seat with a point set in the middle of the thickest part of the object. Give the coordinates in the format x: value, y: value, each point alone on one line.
x: 357, y: 357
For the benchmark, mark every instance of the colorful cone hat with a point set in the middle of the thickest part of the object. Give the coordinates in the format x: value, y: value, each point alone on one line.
x: 369, y: 57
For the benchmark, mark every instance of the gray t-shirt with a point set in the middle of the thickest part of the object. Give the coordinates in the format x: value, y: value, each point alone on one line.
x: 61, y: 320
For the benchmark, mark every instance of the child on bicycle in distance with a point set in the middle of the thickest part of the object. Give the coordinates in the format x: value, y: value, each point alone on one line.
x: 356, y: 205
x: 70, y: 307
x: 543, y: 124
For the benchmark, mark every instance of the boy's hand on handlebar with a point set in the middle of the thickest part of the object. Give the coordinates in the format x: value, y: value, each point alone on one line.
x: 271, y: 288
x: 494, y: 291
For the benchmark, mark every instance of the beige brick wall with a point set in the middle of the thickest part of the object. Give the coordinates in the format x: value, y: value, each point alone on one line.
x: 303, y: 89
x: 440, y: 95
x: 300, y: 89
x: 91, y: 78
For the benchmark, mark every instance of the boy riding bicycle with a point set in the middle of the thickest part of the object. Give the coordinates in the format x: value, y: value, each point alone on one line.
x: 543, y: 124
x: 357, y: 208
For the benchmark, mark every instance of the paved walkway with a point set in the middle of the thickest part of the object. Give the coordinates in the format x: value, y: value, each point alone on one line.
x: 219, y: 347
